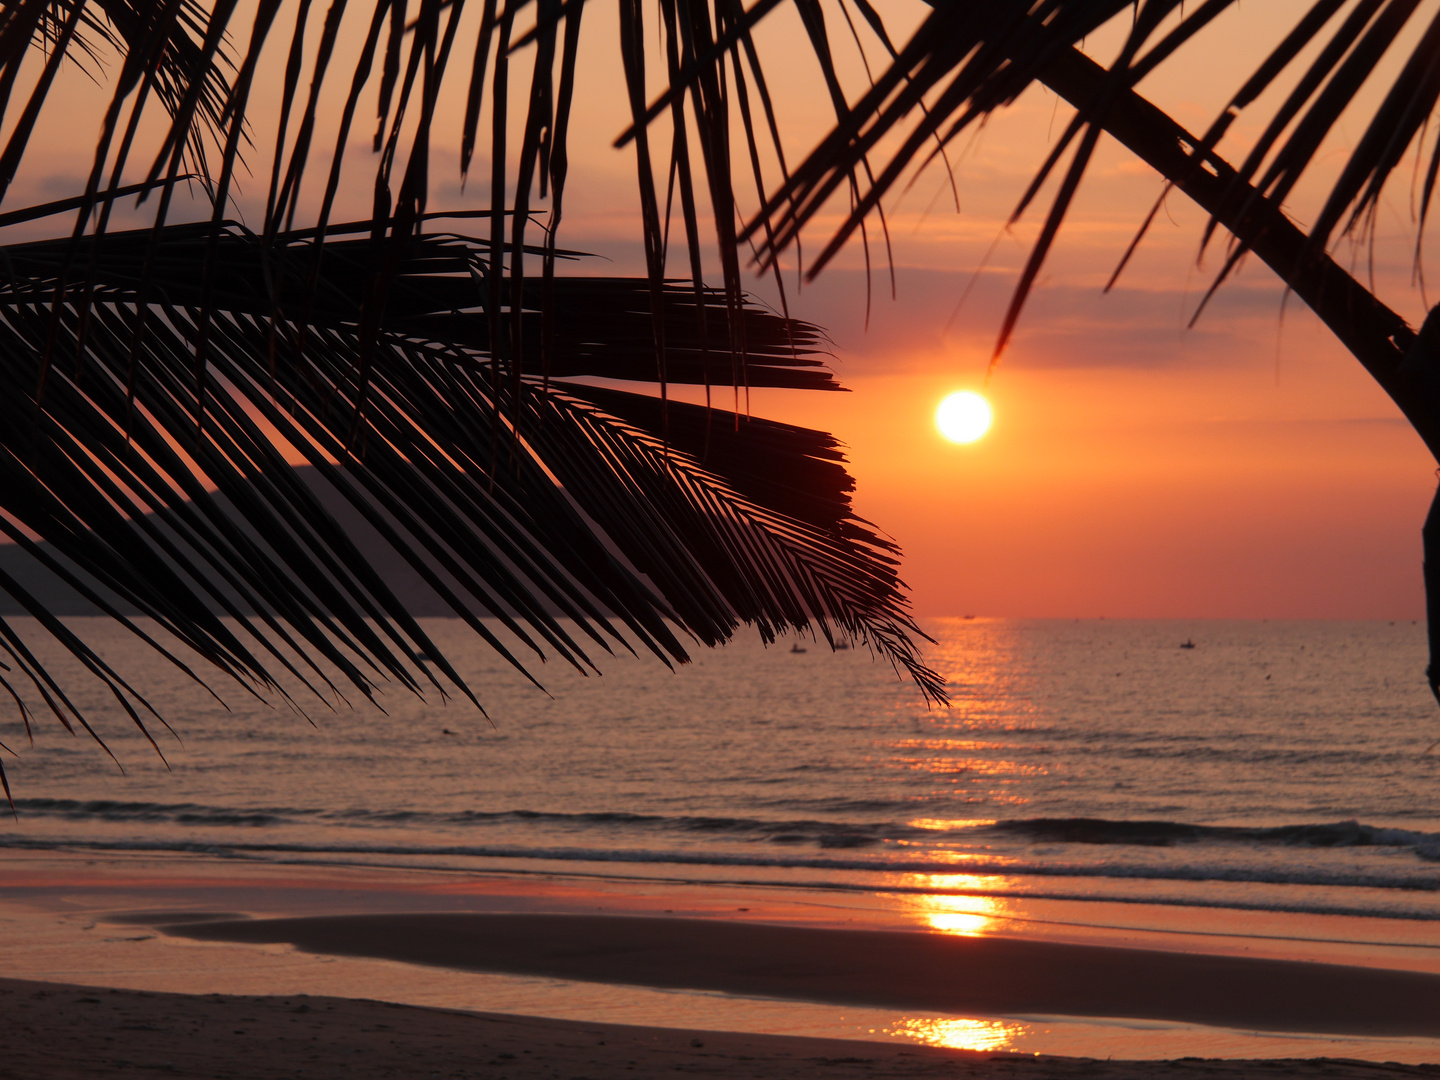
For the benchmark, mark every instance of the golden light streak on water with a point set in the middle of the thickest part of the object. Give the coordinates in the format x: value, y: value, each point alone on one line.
x: 958, y: 922
x: 971, y: 766
x: 965, y: 915
x: 959, y: 1034
x: 947, y: 824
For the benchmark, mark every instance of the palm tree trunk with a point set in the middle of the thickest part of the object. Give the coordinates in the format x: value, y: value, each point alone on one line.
x: 1430, y: 536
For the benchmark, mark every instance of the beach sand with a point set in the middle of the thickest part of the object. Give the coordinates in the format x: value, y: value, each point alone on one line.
x: 58, y: 1032
x: 458, y: 963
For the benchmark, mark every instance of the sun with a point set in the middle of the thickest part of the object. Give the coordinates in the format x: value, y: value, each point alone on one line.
x: 963, y: 417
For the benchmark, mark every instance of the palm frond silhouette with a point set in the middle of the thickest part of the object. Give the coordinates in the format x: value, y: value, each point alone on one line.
x: 458, y: 388
x: 160, y: 385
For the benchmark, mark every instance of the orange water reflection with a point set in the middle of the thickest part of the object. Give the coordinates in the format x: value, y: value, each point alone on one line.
x: 968, y: 914
x: 946, y: 744
x: 949, y: 824
x: 974, y: 766
x: 958, y: 1034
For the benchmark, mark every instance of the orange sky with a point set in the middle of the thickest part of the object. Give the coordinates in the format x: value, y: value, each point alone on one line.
x: 1246, y: 468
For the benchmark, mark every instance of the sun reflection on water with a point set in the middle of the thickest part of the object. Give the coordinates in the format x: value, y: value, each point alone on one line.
x: 946, y: 744
x: 949, y: 824
x: 966, y: 924
x: 958, y: 1034
x: 966, y: 915
x: 974, y: 766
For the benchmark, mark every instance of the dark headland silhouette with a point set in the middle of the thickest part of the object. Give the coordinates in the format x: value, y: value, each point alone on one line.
x: 61, y: 599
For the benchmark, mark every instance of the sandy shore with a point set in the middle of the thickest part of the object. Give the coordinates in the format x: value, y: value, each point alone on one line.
x: 904, y: 970
x: 55, y: 1031
x: 597, y: 955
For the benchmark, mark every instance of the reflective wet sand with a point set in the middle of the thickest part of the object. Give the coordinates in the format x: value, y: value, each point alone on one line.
x: 75, y: 921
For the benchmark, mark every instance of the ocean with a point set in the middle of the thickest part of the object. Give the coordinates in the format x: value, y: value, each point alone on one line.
x: 1274, y: 767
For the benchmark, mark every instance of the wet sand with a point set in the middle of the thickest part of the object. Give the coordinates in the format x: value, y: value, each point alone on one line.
x: 605, y: 956
x: 887, y: 968
x: 51, y: 1031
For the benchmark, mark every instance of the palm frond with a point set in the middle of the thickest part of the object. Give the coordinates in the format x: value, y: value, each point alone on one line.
x: 172, y: 50
x: 354, y: 342
x: 160, y: 385
x: 967, y: 60
x: 562, y: 510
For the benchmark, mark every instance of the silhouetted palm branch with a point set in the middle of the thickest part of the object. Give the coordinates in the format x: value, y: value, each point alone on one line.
x: 432, y: 378
x: 160, y: 385
x: 967, y: 60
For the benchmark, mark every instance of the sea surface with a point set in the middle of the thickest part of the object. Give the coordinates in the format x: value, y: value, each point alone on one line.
x: 1273, y: 767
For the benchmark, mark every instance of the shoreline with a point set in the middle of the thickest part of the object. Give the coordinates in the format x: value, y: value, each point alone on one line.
x: 63, y: 1031
x: 800, y: 964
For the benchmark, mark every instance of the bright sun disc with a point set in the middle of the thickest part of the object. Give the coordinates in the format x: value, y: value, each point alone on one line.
x: 963, y: 417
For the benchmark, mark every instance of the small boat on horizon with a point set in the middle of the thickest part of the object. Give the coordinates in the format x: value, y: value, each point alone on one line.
x: 796, y: 648
x: 1187, y: 644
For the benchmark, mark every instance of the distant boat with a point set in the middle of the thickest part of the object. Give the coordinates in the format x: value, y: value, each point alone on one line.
x: 841, y: 646
x: 796, y: 648
x: 967, y: 616
x: 1187, y: 644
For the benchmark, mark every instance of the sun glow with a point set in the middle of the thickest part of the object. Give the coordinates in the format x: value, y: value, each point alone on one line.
x: 963, y: 417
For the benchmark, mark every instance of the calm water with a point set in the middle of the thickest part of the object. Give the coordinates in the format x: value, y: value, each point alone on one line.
x: 1275, y: 766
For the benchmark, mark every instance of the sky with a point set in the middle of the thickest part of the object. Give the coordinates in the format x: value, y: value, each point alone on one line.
x: 1247, y: 467
x: 1243, y: 468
